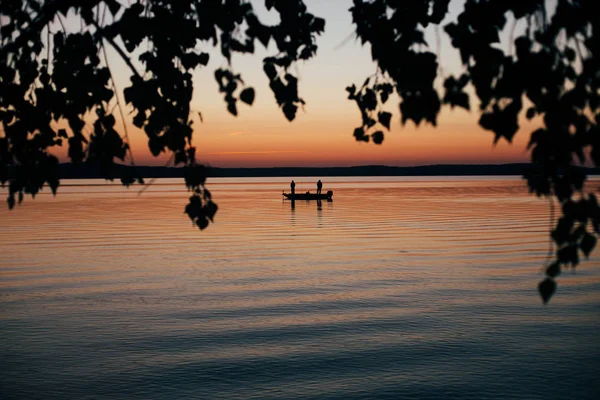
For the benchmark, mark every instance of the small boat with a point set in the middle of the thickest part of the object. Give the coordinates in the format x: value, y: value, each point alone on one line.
x: 308, y: 196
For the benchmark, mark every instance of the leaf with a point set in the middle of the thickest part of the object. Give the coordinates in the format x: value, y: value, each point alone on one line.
x: 461, y: 100
x: 35, y: 6
x: 547, y: 287
x: 231, y: 107
x: 87, y: 14
x: 53, y: 183
x: 562, y: 232
x: 155, y: 146
x: 62, y: 133
x: 202, y: 223
x: 203, y: 58
x: 318, y: 25
x: 377, y: 137
x: 211, y: 210
x: 109, y: 121
x: 588, y: 242
x: 180, y: 157
x: 75, y: 152
x: 385, y: 119
x: 359, y: 134
x: 270, y: 70
x: 530, y: 113
x: 570, y: 54
x: 127, y: 181
x: 568, y: 255
x: 194, y: 176
x: 384, y: 97
x: 128, y: 94
x: 139, y: 119
x: 263, y: 33
x: 191, y: 153
x: 553, y: 270
x: 247, y: 96
x: 113, y: 6
x: 289, y: 109
x: 369, y: 100
x: 351, y: 92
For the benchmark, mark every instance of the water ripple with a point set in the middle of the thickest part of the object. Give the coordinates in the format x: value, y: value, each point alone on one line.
x: 399, y: 288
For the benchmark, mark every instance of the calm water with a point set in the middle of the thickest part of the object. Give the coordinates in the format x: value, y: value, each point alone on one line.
x: 400, y: 288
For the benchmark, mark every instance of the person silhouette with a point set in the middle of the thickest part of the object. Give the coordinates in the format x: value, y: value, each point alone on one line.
x: 319, y: 186
x: 293, y: 186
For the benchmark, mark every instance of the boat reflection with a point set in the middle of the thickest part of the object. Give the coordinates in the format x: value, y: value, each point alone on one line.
x: 307, y: 205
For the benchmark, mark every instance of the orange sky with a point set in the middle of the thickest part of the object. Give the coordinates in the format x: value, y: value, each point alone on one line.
x: 324, y: 138
x: 322, y: 135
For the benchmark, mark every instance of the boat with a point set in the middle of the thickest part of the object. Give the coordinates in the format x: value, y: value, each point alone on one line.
x: 308, y: 196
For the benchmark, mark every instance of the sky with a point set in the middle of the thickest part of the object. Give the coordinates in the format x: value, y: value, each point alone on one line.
x: 260, y: 136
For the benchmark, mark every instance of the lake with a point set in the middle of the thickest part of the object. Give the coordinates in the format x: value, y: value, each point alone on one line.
x: 421, y: 287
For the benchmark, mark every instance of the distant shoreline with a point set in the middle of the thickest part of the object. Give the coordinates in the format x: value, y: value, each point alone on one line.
x: 84, y: 171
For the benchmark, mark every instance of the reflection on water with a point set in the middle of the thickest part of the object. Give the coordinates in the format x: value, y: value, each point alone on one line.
x: 399, y: 288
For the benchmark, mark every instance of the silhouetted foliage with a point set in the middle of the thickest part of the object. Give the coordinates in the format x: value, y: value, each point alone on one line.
x: 52, y: 78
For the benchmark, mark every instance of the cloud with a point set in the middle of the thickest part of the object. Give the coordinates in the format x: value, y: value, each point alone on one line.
x: 237, y: 133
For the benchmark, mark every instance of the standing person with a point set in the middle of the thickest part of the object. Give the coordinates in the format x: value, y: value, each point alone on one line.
x: 293, y: 186
x: 319, y: 186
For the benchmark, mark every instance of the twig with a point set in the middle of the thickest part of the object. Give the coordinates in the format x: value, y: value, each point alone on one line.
x: 511, y: 47
x: 1, y: 36
x: 346, y: 40
x: 48, y: 45
x: 544, y: 16
x: 576, y: 39
x: 551, y: 246
x: 103, y: 15
x: 119, y: 50
x: 438, y: 40
x: 147, y: 185
x: 118, y: 104
x: 61, y: 24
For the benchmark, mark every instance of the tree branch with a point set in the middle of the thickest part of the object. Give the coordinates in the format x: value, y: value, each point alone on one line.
x: 119, y: 50
x: 114, y: 85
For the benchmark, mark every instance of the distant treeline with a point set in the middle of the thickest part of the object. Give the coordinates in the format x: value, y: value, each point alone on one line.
x: 85, y: 171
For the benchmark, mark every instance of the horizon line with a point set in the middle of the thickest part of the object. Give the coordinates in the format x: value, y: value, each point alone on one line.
x: 321, y: 167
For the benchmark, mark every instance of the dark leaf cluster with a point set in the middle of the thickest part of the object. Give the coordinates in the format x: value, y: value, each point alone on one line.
x: 56, y: 85
x: 368, y: 99
x: 552, y: 67
x: 201, y: 209
x: 228, y: 83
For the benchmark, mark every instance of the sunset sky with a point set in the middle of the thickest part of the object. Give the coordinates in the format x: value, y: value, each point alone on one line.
x: 322, y: 135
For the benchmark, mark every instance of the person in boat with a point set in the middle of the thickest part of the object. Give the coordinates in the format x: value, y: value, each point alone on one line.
x: 293, y: 186
x: 319, y: 186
